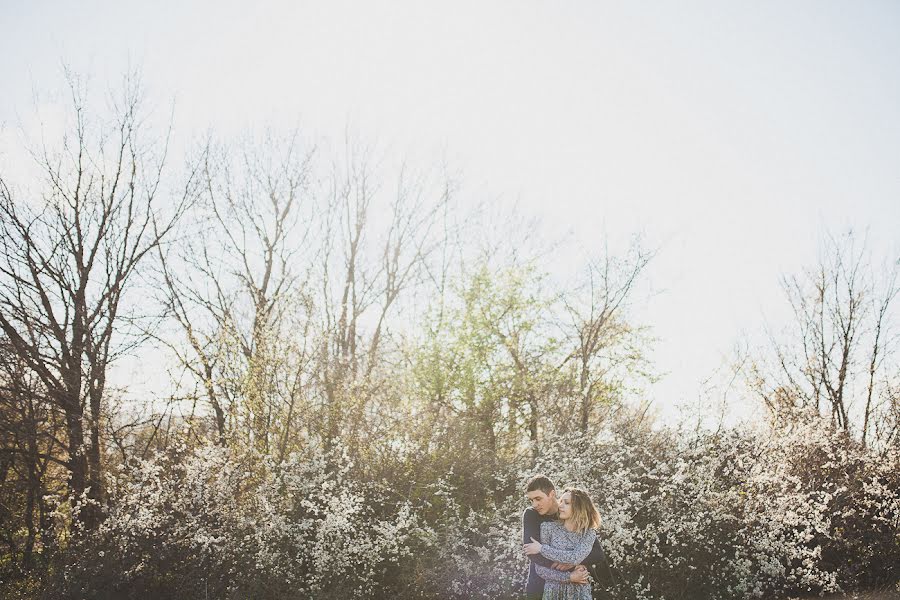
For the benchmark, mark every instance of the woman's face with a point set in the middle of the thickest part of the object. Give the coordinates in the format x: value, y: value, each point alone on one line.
x: 565, y: 506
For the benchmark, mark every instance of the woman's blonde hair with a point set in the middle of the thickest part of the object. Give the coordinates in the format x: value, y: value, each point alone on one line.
x: 584, y: 514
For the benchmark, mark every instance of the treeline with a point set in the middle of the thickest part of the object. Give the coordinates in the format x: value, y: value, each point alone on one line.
x: 361, y: 378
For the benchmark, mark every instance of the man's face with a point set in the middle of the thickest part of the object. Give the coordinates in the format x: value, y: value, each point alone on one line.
x: 544, y: 504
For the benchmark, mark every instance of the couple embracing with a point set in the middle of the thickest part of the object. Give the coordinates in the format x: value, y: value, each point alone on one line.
x: 560, y: 542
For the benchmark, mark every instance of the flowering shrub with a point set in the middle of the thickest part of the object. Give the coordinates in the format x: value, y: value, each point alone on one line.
x: 203, y: 524
x: 739, y: 514
x: 478, y: 553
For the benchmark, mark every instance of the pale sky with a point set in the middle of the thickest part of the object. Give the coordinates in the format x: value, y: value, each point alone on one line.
x: 731, y: 135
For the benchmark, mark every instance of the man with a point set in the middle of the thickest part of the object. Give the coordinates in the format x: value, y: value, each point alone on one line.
x: 545, y: 507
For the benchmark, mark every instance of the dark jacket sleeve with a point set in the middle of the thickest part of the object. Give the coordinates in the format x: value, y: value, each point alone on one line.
x: 596, y: 556
x: 531, y: 528
x: 598, y: 565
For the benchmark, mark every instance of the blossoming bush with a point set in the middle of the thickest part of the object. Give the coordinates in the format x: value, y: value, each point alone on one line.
x: 477, y: 553
x: 203, y: 524
x: 737, y: 514
x: 854, y: 494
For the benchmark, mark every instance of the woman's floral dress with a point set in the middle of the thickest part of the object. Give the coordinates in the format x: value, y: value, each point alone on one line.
x: 561, y: 545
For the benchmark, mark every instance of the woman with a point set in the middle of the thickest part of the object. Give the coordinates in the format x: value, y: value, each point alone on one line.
x: 568, y: 540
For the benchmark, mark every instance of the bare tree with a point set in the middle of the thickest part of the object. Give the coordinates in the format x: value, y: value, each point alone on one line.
x: 837, y: 359
x: 374, y: 251
x: 278, y: 356
x: 234, y: 289
x: 603, y: 342
x: 69, y: 257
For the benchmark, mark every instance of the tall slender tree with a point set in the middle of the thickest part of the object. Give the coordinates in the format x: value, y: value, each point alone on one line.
x: 70, y: 254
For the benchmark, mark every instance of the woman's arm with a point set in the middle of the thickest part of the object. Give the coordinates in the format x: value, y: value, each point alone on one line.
x: 531, y: 530
x: 581, y: 551
x: 548, y: 574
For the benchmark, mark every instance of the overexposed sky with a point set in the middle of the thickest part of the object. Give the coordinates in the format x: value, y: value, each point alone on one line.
x: 729, y: 134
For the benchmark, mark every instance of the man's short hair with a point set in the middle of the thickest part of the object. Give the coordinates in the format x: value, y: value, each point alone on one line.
x: 540, y: 482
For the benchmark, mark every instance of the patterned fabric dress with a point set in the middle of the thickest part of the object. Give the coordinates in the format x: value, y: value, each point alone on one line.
x: 561, y: 545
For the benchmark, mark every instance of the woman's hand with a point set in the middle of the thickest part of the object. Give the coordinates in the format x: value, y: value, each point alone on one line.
x: 533, y: 548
